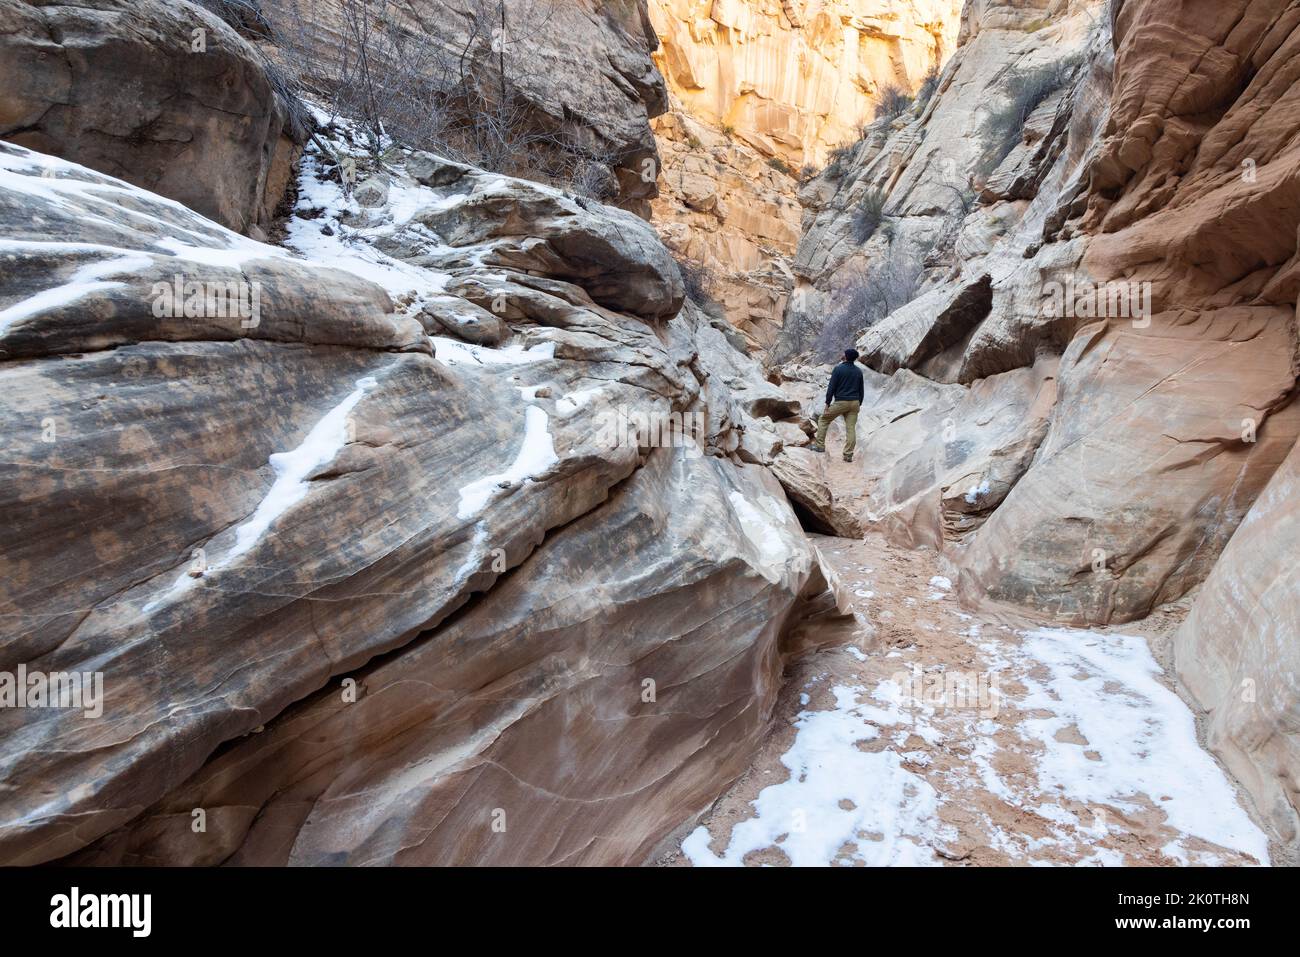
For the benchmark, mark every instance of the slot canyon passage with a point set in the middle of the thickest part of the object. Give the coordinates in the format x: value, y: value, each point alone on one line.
x: 413, y: 465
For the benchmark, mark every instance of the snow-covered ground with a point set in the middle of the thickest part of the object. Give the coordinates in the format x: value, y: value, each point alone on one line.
x: 971, y: 742
x: 838, y: 795
x: 324, y: 226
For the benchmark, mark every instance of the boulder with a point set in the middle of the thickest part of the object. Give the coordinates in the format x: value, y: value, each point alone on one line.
x: 312, y: 520
x: 802, y: 473
x: 160, y: 93
x: 612, y: 254
x: 612, y: 681
x: 1161, y: 439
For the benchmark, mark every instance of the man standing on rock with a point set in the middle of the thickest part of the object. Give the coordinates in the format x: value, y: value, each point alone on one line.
x: 843, y: 398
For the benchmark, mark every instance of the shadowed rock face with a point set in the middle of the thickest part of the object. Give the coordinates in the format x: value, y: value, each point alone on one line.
x: 119, y: 86
x: 1169, y: 426
x: 1200, y: 194
x: 224, y: 519
x: 580, y: 69
x: 1144, y: 474
x: 1237, y: 652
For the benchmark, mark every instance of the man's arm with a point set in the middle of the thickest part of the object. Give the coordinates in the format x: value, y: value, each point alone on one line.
x: 830, y: 386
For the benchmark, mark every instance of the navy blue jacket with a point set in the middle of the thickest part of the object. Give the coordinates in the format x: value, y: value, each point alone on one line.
x: 846, y: 384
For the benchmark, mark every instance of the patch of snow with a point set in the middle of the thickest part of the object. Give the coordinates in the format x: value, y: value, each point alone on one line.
x: 326, y: 438
x: 536, y: 454
x: 763, y: 527
x: 1108, y: 686
x: 85, y: 281
x: 324, y: 441
x: 232, y: 257
x: 572, y: 401
x: 349, y: 249
x: 975, y: 491
x: 406, y: 199
x: 892, y: 810
x: 452, y: 352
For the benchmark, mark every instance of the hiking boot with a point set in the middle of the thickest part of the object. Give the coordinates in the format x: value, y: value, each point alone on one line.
x: 848, y: 457
x: 817, y: 448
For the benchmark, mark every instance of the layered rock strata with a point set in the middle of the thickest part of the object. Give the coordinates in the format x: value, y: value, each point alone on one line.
x: 464, y: 491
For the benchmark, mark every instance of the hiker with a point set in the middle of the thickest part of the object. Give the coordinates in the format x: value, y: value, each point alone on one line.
x: 843, y: 398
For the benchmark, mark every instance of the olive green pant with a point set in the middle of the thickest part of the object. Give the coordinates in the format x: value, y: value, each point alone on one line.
x: 842, y: 407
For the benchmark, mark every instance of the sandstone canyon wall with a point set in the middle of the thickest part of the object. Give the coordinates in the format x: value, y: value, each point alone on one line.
x: 796, y: 78
x: 366, y: 577
x: 760, y: 89
x: 403, y: 563
x: 574, y: 72
x: 1095, y: 461
x: 733, y: 217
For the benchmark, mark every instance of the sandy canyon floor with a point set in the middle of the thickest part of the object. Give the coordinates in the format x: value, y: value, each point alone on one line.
x: 936, y: 737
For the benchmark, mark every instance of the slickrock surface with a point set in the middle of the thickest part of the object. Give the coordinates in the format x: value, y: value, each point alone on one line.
x: 1237, y: 651
x: 226, y: 521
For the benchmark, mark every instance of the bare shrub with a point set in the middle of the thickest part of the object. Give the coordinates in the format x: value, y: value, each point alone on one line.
x: 699, y: 282
x: 928, y: 87
x: 894, y: 102
x: 963, y: 201
x: 1026, y: 90
x: 796, y: 334
x: 860, y: 297
x: 868, y: 215
x: 404, y: 80
x: 245, y: 16
x: 864, y: 296
x: 840, y: 158
x: 781, y: 166
x: 391, y: 79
